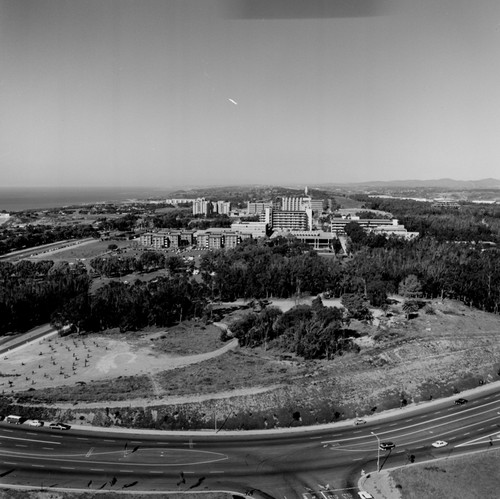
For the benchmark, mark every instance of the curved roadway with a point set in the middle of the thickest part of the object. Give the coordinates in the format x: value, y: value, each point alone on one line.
x: 318, y: 462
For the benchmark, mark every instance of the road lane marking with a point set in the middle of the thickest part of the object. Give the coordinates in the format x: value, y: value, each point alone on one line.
x: 38, y: 466
x: 21, y: 445
x: 125, y: 471
x: 96, y: 469
x: 106, y: 440
x: 81, y: 438
x: 33, y: 440
x: 136, y: 441
x: 339, y: 448
x: 89, y: 453
x: 393, y: 424
x: 48, y: 448
x: 216, y: 471
x: 67, y: 468
x: 468, y: 433
x: 422, y: 423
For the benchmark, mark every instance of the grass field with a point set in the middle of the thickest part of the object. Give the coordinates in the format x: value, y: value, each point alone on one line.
x: 465, y: 477
x: 84, y: 251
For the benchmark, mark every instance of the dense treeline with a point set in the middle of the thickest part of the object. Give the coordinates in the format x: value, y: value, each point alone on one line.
x: 468, y: 222
x: 30, y: 292
x: 36, y: 235
x: 149, y: 261
x: 283, y: 268
x: 444, y: 269
x: 280, y: 268
x: 161, y: 302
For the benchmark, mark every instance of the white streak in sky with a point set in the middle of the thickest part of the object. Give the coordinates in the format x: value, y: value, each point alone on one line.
x: 233, y: 101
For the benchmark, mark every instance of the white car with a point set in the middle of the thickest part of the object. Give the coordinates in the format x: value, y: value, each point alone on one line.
x: 359, y: 421
x: 364, y: 495
x: 34, y: 422
x: 439, y: 443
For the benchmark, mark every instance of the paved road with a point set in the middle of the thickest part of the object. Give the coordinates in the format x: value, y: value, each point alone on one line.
x: 321, y: 463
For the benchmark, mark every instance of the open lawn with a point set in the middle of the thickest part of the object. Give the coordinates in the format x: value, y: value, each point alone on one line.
x: 84, y: 252
x: 464, y: 477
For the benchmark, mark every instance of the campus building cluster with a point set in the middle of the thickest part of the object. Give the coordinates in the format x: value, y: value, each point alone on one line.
x: 294, y: 216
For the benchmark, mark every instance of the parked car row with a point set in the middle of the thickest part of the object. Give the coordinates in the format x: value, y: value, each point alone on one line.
x: 35, y: 422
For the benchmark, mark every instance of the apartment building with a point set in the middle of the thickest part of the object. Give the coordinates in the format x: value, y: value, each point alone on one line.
x: 167, y: 239
x: 201, y: 206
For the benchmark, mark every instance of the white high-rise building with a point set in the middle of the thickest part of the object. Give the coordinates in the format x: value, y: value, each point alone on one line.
x: 223, y: 207
x: 202, y: 207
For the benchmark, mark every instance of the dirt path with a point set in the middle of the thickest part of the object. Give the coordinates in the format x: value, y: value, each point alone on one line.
x: 178, y: 400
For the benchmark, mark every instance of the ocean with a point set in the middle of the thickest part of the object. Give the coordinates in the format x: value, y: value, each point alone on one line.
x: 36, y: 198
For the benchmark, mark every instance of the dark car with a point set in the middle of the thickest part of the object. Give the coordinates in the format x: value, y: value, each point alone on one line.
x: 59, y: 426
x: 387, y: 445
x: 461, y: 401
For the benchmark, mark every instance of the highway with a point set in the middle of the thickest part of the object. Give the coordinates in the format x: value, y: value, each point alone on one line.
x: 319, y: 462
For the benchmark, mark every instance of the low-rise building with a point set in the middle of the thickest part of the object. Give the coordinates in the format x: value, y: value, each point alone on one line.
x: 255, y: 229
x: 167, y: 239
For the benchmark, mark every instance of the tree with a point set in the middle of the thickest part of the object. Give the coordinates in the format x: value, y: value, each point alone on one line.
x: 376, y: 292
x: 357, y: 306
x: 410, y: 287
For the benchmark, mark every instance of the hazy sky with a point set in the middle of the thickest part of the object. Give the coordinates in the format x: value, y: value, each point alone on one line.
x: 187, y: 92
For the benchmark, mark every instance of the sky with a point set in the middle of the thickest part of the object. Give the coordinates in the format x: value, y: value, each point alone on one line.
x: 173, y: 93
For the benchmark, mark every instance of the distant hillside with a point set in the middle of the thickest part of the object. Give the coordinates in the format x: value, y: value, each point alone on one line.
x: 443, y: 183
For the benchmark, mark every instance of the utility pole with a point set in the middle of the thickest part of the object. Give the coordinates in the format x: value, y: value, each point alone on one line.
x: 378, y: 451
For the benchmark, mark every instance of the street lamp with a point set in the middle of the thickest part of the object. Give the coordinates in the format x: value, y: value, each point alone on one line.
x: 378, y: 450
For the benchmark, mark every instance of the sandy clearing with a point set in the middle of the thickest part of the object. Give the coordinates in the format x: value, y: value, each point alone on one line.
x: 57, y: 361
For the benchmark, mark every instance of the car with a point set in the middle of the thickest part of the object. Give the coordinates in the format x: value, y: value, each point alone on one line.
x: 439, y: 443
x: 387, y: 445
x: 364, y: 495
x: 34, y: 422
x: 59, y: 426
x: 358, y: 421
x: 461, y: 401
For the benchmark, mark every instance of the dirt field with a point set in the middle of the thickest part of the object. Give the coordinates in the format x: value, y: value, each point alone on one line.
x: 59, y: 361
